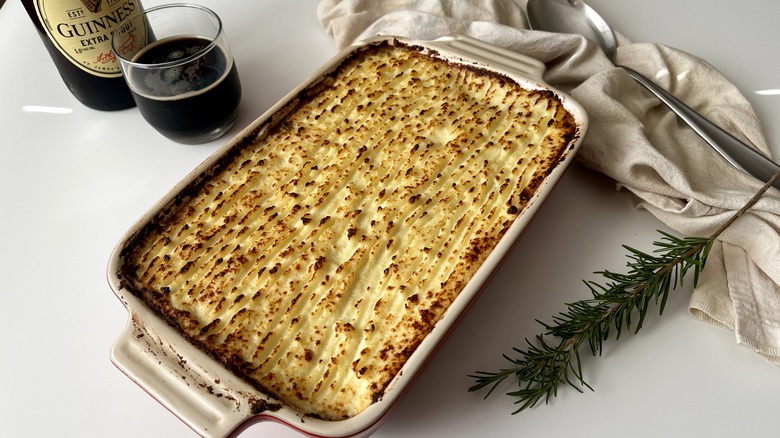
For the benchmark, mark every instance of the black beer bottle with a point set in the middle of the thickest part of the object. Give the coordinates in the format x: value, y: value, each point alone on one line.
x: 77, y: 35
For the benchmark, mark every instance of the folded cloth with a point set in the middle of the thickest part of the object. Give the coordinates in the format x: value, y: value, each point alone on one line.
x: 633, y: 139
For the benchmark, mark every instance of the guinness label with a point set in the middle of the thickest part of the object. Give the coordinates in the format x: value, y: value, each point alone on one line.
x: 91, y: 5
x: 82, y: 30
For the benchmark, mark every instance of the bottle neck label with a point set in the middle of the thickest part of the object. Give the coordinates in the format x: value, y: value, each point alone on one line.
x: 82, y: 30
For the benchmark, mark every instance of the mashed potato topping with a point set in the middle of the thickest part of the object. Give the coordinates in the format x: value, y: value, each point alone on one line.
x: 313, y: 261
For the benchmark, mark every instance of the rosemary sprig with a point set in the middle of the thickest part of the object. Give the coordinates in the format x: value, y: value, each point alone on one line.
x: 622, y: 302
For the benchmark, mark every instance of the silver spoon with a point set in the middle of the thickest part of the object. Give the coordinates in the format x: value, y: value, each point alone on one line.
x: 575, y: 17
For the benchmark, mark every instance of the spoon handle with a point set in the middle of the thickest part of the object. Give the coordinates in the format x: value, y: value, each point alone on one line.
x: 734, y: 151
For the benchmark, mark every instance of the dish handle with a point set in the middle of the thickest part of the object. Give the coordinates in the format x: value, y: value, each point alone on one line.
x: 182, y: 386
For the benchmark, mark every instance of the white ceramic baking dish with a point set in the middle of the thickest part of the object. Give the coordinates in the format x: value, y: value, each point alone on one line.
x: 213, y: 401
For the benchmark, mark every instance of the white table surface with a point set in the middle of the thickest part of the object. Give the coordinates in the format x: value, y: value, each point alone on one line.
x: 71, y: 184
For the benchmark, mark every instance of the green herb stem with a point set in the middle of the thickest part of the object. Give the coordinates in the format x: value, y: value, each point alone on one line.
x: 622, y: 302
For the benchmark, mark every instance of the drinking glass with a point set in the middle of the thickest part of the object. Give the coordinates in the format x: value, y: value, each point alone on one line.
x: 177, y: 62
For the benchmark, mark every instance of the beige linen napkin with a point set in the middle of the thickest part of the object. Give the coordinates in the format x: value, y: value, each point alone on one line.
x: 633, y: 139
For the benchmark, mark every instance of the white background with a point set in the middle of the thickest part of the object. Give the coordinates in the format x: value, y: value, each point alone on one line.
x: 71, y: 184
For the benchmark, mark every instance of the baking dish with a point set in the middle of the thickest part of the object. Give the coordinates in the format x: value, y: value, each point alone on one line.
x: 215, y: 402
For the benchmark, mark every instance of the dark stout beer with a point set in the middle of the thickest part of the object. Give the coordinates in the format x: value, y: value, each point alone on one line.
x: 189, y: 101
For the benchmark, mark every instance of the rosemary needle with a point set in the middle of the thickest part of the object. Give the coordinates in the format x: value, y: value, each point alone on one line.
x: 620, y: 303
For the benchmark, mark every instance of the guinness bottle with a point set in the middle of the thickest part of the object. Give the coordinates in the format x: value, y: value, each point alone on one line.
x: 77, y: 35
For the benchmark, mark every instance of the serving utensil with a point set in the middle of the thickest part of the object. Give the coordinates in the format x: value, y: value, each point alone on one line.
x: 576, y: 17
